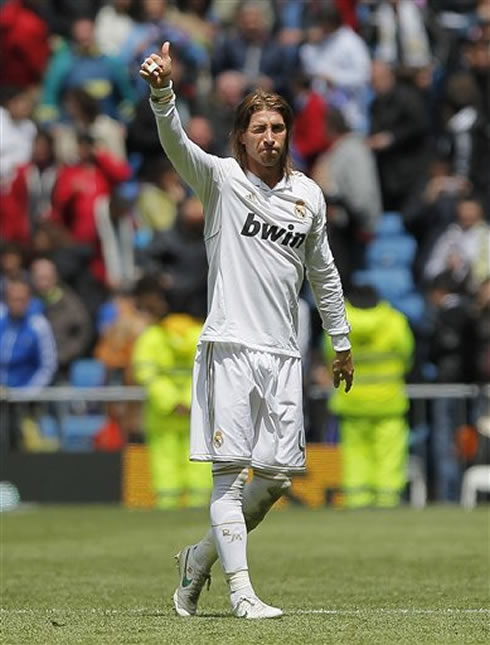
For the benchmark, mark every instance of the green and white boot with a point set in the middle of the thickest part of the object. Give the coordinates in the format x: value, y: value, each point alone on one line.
x: 191, y: 583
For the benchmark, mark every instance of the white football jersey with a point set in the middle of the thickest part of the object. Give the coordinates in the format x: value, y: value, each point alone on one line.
x: 259, y: 241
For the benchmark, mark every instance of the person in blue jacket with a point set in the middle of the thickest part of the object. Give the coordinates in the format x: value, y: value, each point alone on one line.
x: 27, y: 349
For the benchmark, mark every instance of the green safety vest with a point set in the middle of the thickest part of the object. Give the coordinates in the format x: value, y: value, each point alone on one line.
x: 382, y: 348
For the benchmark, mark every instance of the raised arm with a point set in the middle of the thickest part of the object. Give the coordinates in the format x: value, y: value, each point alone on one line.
x: 198, y: 168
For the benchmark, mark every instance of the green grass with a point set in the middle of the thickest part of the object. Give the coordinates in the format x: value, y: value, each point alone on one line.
x: 105, y: 575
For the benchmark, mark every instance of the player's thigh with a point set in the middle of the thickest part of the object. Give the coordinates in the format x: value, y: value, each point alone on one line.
x: 280, y: 436
x: 222, y: 425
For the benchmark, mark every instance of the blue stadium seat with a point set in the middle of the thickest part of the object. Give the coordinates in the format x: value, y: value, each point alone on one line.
x: 390, y: 223
x: 413, y: 306
x: 78, y: 431
x: 48, y: 424
x: 390, y: 283
x: 393, y: 251
x: 87, y: 372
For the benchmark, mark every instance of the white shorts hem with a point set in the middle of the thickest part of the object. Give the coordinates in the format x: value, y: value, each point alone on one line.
x: 222, y: 458
x: 247, y: 462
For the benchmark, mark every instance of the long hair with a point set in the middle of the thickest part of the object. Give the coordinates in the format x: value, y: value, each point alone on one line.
x: 256, y: 102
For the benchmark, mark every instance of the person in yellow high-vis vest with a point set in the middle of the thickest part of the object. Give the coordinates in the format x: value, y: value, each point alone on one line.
x: 372, y: 417
x: 162, y: 362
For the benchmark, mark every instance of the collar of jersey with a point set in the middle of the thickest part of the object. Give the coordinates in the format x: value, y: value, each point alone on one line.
x: 281, y: 185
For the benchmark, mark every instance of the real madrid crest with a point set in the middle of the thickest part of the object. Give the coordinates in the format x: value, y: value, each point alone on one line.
x: 218, y: 439
x: 300, y: 209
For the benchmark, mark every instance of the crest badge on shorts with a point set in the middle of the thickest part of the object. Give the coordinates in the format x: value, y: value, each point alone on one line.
x: 300, y: 209
x: 218, y: 439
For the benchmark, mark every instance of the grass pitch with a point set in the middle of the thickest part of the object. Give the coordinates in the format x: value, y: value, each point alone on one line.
x: 102, y: 574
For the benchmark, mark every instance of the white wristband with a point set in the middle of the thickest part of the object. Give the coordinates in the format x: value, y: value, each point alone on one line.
x: 158, y: 92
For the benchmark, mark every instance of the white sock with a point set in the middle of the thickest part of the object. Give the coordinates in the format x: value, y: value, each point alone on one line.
x: 259, y: 495
x: 227, y: 521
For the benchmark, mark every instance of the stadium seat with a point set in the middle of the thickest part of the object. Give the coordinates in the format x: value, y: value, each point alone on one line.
x: 394, y: 251
x: 413, y: 306
x: 78, y: 431
x: 390, y: 283
x: 49, y: 427
x: 87, y: 372
x: 390, y: 223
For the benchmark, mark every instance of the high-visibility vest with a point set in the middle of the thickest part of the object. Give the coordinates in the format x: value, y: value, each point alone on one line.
x: 382, y: 348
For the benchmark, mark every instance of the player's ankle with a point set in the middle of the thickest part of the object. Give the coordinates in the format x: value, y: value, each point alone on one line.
x: 239, y: 585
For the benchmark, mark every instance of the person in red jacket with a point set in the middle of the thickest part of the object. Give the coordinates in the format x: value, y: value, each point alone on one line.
x: 28, y: 199
x: 78, y: 191
x: 310, y: 136
x: 24, y: 38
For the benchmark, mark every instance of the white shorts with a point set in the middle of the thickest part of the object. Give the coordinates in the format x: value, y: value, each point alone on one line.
x: 247, y: 408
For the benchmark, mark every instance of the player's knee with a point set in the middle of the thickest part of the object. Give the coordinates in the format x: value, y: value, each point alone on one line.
x: 228, y: 482
x: 275, y: 483
x: 262, y: 494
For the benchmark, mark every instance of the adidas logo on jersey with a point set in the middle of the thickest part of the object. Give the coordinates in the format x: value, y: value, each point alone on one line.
x: 285, y: 236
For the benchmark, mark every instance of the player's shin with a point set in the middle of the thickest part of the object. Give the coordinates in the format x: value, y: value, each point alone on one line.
x: 228, y: 525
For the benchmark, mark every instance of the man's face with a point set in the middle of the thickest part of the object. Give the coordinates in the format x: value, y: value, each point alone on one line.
x: 18, y: 299
x: 469, y: 213
x: 43, y: 275
x: 264, y: 139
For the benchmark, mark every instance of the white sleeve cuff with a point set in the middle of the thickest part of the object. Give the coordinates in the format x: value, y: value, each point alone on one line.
x: 340, y: 342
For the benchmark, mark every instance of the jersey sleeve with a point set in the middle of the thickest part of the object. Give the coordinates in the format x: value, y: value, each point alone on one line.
x: 325, y: 281
x: 202, y: 171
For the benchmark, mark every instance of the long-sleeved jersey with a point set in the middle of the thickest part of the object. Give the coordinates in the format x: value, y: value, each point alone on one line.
x: 259, y: 241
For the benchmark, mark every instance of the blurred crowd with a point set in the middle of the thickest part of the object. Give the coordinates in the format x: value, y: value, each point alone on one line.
x: 392, y: 114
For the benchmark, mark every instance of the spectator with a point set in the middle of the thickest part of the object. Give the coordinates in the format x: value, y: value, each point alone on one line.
x: 310, y: 134
x: 464, y: 248
x: 482, y: 332
x: 200, y: 130
x: 401, y: 35
x: 451, y: 346
x: 83, y: 115
x: 81, y: 65
x: 431, y: 208
x: 18, y: 132
x: 78, y: 190
x: 161, y: 193
x: 28, y: 201
x: 347, y: 174
x: 115, y: 228
x: 337, y: 60
x: 461, y: 111
x: 373, y: 428
x: 11, y: 266
x: 61, y: 14
x: 154, y: 28
x: 196, y: 18
x: 53, y: 241
x: 27, y: 347
x: 25, y: 44
x: 119, y: 323
x: 113, y: 24
x: 229, y: 90
x: 398, y: 136
x: 65, y: 312
x: 250, y: 48
x: 162, y: 362
x: 179, y: 255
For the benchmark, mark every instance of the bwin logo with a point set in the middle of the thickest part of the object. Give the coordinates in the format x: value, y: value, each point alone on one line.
x: 271, y: 232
